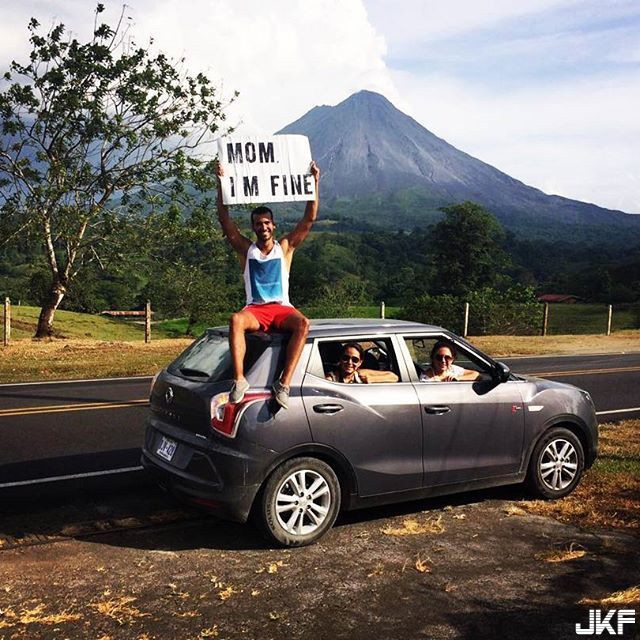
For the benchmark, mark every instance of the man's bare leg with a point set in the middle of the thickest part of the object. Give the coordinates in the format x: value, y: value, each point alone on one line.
x: 298, y: 326
x: 239, y: 323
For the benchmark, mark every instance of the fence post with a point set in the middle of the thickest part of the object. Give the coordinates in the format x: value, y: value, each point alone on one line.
x: 382, y: 310
x: 7, y: 322
x: 465, y: 331
x: 545, y: 318
x: 609, y: 320
x: 147, y: 322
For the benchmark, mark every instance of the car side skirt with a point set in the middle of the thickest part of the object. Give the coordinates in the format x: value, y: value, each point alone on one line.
x: 353, y: 501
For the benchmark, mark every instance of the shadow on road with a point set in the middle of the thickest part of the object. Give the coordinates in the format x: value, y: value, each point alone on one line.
x: 129, y: 510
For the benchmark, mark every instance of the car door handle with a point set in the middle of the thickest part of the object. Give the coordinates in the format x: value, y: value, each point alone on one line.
x: 327, y: 408
x: 437, y: 410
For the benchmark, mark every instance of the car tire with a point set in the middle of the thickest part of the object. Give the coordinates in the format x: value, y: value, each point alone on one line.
x: 556, y: 464
x: 300, y: 502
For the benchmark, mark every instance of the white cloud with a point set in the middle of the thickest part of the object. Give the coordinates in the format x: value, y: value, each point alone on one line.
x: 283, y: 57
x: 578, y: 140
x: 545, y: 90
x: 414, y: 22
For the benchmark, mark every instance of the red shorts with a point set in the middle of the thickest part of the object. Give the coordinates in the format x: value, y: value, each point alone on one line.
x: 270, y: 315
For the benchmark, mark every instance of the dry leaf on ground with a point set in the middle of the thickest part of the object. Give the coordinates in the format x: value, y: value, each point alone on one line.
x: 225, y: 594
x: 119, y: 609
x: 626, y: 597
x: 563, y: 555
x: 411, y: 527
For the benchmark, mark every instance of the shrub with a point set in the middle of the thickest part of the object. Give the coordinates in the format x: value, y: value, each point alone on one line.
x: 513, y: 311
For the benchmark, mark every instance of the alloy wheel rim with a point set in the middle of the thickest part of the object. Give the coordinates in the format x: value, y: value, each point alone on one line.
x: 558, y: 464
x: 302, y: 502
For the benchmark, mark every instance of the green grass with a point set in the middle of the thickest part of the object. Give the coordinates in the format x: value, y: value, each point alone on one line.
x: 617, y: 464
x: 581, y: 319
x: 177, y: 328
x: 68, y: 324
x: 72, y: 325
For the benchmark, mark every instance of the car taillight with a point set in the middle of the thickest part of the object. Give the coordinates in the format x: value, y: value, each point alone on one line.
x: 224, y: 414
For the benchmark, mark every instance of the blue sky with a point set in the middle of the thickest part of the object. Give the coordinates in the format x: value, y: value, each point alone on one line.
x: 547, y: 91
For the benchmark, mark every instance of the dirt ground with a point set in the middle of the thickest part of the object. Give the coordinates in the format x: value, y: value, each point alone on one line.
x: 139, y: 566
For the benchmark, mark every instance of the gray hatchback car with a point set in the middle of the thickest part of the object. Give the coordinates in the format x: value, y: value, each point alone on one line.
x: 346, y: 446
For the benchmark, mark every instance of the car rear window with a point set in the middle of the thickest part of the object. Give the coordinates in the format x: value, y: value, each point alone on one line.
x: 209, y: 358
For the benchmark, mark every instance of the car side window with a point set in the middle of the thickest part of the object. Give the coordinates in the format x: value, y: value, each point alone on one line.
x: 420, y: 349
x: 377, y: 360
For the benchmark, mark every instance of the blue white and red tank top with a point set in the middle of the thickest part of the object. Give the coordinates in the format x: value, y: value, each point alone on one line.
x: 266, y: 277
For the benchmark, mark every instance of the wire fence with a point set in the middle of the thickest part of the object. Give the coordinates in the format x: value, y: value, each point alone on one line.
x: 487, y: 319
x: 592, y: 318
x: 491, y: 318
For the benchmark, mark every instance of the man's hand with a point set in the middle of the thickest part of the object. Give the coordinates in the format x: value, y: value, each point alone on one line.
x: 293, y: 239
x: 315, y: 172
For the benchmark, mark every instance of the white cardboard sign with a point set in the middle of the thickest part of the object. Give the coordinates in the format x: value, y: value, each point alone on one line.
x: 259, y: 169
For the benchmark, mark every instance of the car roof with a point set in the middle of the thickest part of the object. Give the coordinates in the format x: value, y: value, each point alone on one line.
x: 328, y: 327
x: 324, y: 327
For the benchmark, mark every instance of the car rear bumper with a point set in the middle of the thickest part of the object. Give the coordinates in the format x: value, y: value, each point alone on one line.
x: 221, y: 480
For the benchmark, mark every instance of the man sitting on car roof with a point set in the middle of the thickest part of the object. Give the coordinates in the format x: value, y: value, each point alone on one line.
x: 266, y: 264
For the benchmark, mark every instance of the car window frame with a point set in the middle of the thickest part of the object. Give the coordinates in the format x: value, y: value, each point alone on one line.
x: 315, y: 364
x: 461, y: 345
x: 264, y: 341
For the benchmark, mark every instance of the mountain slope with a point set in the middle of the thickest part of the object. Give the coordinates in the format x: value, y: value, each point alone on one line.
x: 365, y: 146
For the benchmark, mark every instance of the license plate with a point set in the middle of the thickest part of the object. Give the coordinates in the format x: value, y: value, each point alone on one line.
x: 167, y: 448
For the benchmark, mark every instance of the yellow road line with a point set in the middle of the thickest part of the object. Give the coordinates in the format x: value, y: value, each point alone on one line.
x: 582, y: 372
x: 92, y: 406
x: 62, y: 408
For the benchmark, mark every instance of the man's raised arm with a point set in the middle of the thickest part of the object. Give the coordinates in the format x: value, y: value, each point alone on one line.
x: 230, y: 230
x: 301, y: 231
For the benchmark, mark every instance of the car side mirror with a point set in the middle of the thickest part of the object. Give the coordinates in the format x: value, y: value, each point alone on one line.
x: 503, y: 373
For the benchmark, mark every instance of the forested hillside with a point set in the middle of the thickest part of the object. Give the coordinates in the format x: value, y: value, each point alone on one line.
x: 185, y: 267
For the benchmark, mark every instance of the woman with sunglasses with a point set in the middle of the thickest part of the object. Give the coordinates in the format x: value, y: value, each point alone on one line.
x: 442, y: 368
x: 349, y: 371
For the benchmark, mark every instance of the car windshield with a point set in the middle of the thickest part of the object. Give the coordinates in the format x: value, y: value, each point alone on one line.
x: 209, y: 357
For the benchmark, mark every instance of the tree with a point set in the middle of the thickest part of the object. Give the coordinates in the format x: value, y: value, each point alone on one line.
x: 92, y: 131
x: 467, y: 249
x: 192, y: 272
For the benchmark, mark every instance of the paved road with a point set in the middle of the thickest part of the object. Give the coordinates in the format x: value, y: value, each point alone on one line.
x: 66, y: 429
x: 613, y: 380
x: 89, y: 429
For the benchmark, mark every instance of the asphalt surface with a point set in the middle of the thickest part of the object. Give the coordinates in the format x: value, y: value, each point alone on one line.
x: 613, y: 380
x: 63, y: 429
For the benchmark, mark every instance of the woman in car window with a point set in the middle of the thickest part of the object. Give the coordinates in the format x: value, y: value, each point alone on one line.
x: 442, y: 367
x: 349, y: 371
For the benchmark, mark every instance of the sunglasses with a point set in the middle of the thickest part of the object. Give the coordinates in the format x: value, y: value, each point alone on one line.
x: 353, y: 359
x: 443, y: 357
